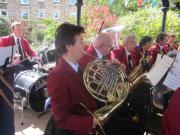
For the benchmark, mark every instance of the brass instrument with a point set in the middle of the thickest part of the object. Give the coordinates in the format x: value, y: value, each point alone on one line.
x: 5, y: 84
x: 108, y: 83
x: 138, y: 73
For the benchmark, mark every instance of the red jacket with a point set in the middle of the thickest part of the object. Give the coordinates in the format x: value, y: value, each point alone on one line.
x: 120, y: 54
x: 9, y: 41
x: 171, y: 119
x: 154, y: 50
x: 172, y: 47
x: 89, y: 56
x: 67, y: 90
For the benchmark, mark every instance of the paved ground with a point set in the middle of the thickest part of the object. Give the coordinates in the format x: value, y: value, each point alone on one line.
x: 32, y: 124
x: 35, y: 126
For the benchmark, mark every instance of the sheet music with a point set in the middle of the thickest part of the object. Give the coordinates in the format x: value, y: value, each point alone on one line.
x: 159, y: 69
x: 5, y: 52
x: 172, y: 80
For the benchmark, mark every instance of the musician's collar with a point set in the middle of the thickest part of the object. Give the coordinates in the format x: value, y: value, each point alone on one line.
x: 15, y: 36
x: 75, y: 66
x: 161, y: 46
x: 99, y: 54
x: 127, y: 52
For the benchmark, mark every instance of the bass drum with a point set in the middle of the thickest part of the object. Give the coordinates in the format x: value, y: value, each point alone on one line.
x: 32, y: 86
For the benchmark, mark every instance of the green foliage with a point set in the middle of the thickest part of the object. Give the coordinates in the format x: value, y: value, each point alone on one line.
x: 27, y: 29
x: 119, y: 8
x: 148, y: 22
x: 51, y: 26
x: 39, y: 36
x: 4, y: 27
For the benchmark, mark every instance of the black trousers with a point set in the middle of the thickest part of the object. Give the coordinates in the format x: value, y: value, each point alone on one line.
x: 121, y: 121
x: 51, y: 128
x: 6, y: 112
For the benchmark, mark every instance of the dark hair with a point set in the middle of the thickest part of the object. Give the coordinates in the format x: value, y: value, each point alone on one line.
x: 145, y: 39
x: 160, y: 36
x: 65, y: 35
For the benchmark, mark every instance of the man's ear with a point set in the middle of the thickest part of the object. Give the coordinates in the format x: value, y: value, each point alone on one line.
x: 68, y: 47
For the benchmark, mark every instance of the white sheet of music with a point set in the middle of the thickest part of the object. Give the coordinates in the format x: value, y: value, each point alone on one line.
x: 172, y: 80
x: 159, y: 68
x: 6, y: 52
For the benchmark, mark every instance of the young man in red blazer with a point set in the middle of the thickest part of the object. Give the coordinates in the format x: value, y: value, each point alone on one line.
x: 17, y: 34
x: 127, y: 54
x: 161, y: 46
x: 65, y: 84
x: 171, y: 43
x: 171, y: 119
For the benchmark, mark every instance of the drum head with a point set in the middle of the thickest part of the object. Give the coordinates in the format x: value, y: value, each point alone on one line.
x: 32, y: 85
x: 37, y: 99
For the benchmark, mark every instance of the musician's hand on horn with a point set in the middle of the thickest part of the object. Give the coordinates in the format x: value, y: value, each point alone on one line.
x: 95, y: 122
x: 116, y: 61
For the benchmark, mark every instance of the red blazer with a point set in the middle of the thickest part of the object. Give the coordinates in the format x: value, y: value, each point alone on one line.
x: 89, y: 56
x: 172, y: 47
x: 67, y: 90
x: 154, y: 50
x: 9, y: 41
x: 171, y: 119
x: 120, y: 54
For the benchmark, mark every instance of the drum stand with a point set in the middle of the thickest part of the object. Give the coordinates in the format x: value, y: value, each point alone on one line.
x: 23, y: 101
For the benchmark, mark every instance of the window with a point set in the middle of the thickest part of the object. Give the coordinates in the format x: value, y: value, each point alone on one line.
x: 25, y: 15
x: 72, y: 2
x: 56, y: 0
x: 56, y: 15
x: 73, y: 14
x: 41, y: 13
x: 24, y: 2
x: 3, y: 13
x: 3, y: 1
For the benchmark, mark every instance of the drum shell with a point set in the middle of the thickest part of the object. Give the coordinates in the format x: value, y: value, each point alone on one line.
x: 32, y: 85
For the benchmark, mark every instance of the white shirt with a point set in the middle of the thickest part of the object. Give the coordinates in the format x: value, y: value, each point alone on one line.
x: 161, y: 47
x: 75, y: 66
x: 100, y: 56
x: 127, y: 53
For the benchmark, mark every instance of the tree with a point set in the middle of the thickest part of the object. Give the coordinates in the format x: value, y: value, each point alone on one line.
x: 49, y: 32
x: 92, y: 18
x: 148, y: 22
x: 27, y: 29
x: 4, y: 27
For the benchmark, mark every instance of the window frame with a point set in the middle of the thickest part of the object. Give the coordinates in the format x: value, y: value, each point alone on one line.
x: 56, y: 1
x: 22, y: 2
x: 73, y: 14
x: 5, y: 11
x: 57, y: 11
x: 38, y: 13
x: 71, y: 3
x: 24, y: 11
x: 3, y: 1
